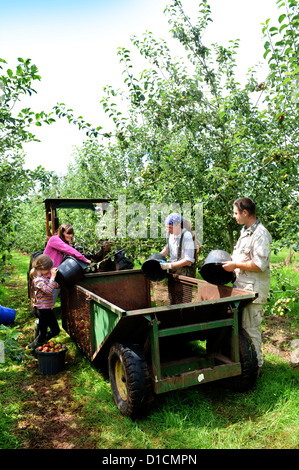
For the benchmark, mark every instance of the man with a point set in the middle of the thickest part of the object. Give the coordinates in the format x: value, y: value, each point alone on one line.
x: 181, y: 250
x: 250, y: 260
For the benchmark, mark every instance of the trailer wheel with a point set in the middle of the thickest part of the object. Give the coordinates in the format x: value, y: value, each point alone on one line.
x: 130, y: 380
x: 249, y: 364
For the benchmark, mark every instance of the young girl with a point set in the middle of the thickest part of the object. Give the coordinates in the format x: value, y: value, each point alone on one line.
x: 43, y: 278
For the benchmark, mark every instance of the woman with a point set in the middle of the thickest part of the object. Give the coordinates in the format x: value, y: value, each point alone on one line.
x: 59, y: 245
x: 181, y: 249
x: 180, y: 246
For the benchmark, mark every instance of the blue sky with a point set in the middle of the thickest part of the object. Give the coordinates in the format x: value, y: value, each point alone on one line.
x: 74, y: 44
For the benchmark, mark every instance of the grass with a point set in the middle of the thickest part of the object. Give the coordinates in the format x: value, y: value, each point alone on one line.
x: 75, y: 408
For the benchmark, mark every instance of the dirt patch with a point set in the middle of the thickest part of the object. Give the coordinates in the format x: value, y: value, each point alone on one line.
x: 277, y: 336
x: 52, y: 420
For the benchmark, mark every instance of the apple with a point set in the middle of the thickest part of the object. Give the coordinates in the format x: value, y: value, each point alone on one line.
x: 52, y: 346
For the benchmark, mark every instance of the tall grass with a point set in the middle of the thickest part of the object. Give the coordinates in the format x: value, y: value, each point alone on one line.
x: 204, y: 417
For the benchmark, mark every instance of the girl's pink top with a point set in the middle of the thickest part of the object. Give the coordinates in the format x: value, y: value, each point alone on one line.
x: 44, y: 288
x: 57, y: 248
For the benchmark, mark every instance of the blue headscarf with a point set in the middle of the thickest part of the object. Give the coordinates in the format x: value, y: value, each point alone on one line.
x: 174, y: 219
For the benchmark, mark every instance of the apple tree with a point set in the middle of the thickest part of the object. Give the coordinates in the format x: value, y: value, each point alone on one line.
x: 196, y: 134
x: 185, y: 129
x: 15, y: 130
x: 282, y: 105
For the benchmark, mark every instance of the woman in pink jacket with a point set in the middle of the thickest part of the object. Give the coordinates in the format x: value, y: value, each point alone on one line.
x: 59, y: 245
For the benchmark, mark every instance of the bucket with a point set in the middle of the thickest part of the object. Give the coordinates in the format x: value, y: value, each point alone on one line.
x: 33, y: 256
x: 122, y: 262
x: 7, y: 315
x: 50, y: 363
x: 151, y: 268
x: 212, y: 270
x: 70, y: 271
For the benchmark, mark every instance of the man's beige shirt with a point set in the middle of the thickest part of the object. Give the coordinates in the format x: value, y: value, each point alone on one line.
x: 254, y: 244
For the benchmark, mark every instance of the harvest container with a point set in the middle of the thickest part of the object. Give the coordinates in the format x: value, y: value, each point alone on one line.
x: 50, y: 363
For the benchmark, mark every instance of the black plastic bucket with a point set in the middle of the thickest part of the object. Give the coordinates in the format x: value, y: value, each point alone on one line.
x: 212, y: 270
x: 70, y: 271
x: 152, y: 269
x: 50, y: 363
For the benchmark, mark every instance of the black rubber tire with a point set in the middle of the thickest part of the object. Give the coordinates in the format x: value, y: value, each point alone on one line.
x: 130, y: 380
x: 249, y: 364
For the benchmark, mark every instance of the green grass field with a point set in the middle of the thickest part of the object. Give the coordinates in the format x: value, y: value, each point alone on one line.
x: 74, y: 409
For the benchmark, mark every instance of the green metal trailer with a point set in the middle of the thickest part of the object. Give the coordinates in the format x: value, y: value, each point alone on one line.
x: 151, y: 346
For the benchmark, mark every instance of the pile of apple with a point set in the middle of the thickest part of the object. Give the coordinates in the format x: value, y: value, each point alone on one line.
x: 51, y: 346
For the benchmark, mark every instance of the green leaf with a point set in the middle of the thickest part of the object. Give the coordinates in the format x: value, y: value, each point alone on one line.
x: 282, y: 17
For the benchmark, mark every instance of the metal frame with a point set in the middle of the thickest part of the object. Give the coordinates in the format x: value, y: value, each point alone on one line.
x: 194, y: 370
x: 52, y: 204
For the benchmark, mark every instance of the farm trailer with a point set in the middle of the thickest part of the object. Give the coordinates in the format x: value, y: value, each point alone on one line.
x: 124, y: 322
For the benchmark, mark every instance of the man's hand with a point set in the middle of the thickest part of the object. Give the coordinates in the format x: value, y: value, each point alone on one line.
x: 244, y: 266
x: 229, y: 266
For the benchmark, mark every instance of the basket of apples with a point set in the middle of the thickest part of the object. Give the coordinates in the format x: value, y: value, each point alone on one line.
x: 51, y: 357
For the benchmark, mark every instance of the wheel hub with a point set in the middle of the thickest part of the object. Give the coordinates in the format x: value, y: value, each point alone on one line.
x: 120, y: 379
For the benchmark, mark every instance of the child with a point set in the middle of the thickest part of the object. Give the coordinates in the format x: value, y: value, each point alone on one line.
x: 43, y: 278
